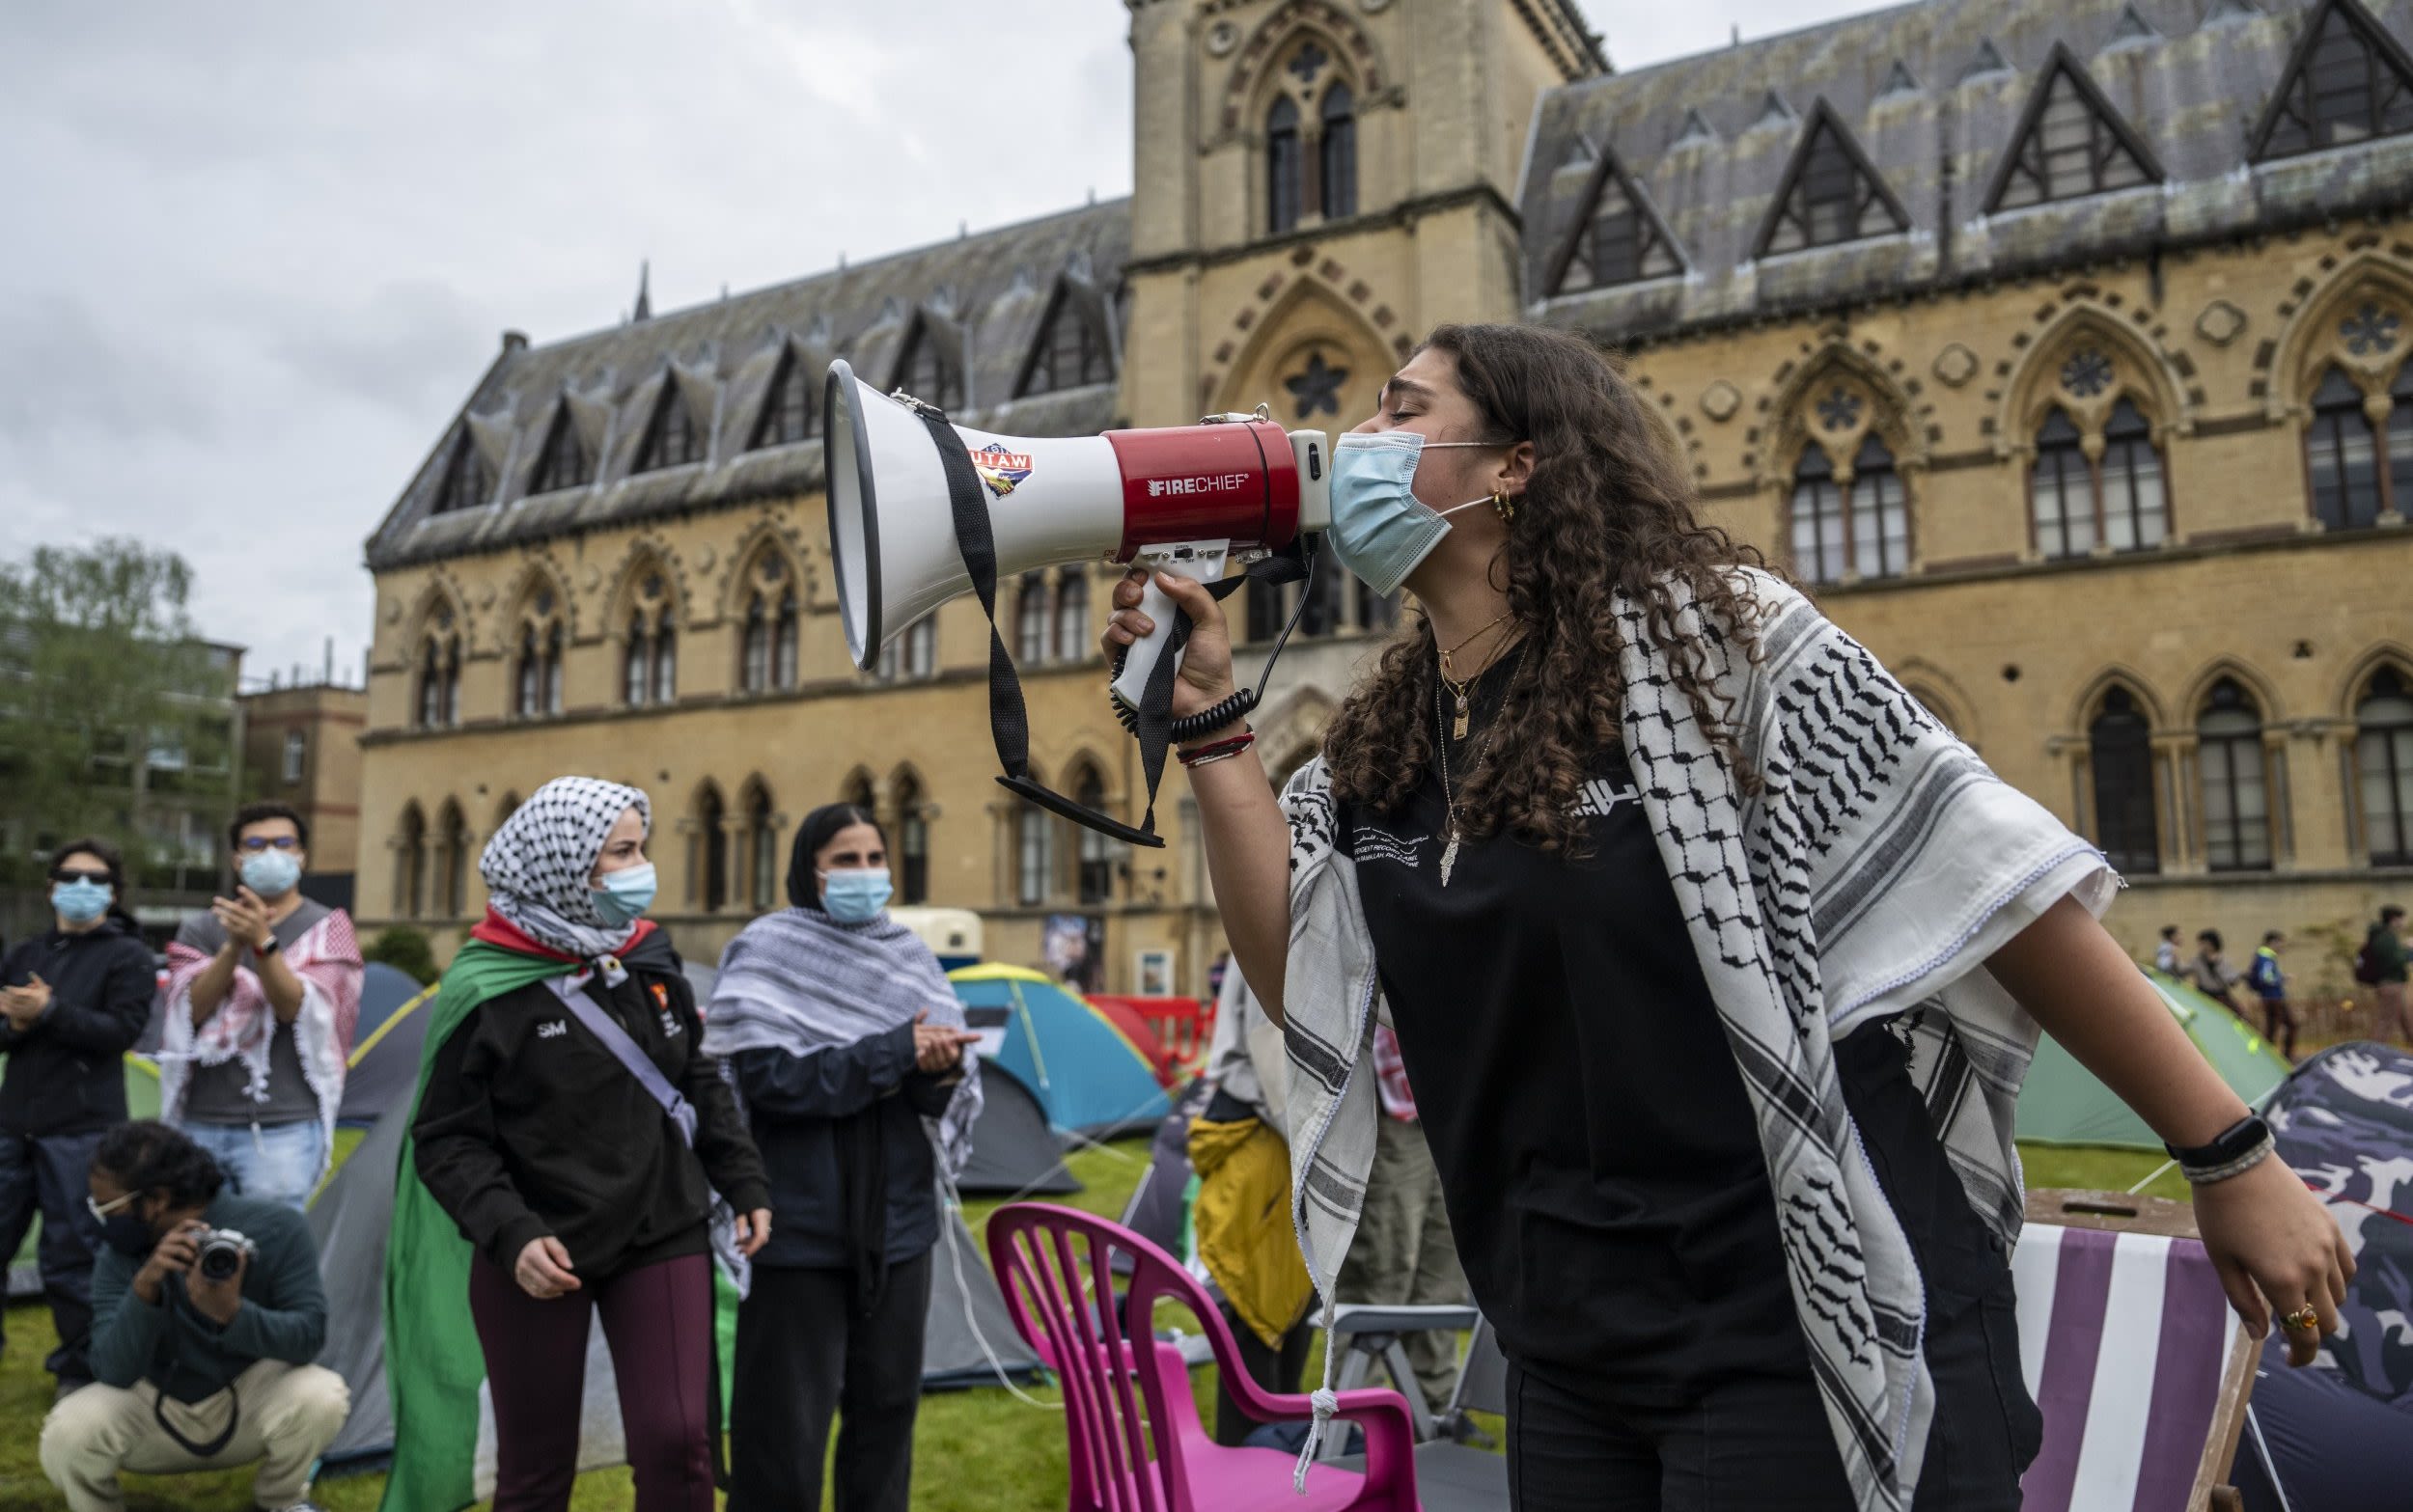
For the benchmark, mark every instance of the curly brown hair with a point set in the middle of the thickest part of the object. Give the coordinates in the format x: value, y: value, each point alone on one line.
x: 1606, y: 512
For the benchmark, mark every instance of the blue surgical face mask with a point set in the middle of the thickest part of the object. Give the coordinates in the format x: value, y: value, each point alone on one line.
x: 80, y: 901
x: 1380, y: 529
x: 624, y: 894
x: 856, y: 897
x: 270, y: 873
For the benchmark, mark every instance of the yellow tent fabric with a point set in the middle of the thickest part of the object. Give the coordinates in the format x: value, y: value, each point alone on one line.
x: 1242, y: 1221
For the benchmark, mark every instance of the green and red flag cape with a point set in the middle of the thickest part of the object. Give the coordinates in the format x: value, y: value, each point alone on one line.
x: 433, y: 1363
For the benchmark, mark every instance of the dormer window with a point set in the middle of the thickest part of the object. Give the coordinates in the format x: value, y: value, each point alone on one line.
x: 564, y: 463
x: 927, y: 373
x: 1831, y: 194
x: 789, y: 413
x: 1070, y: 352
x: 468, y: 481
x: 671, y: 437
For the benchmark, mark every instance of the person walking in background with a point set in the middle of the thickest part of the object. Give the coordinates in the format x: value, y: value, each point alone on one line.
x: 1240, y: 1155
x: 2269, y: 983
x: 842, y: 1036
x: 263, y: 992
x: 72, y: 1001
x: 574, y: 1130
x: 1405, y: 1255
x: 2166, y: 958
x: 205, y: 1359
x: 2381, y: 965
x: 2209, y: 975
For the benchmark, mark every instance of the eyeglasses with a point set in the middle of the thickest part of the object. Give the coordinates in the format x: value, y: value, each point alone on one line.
x: 101, y: 1211
x: 73, y: 875
x: 256, y: 843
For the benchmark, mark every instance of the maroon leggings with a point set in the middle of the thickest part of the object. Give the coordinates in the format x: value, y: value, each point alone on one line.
x: 658, y: 1321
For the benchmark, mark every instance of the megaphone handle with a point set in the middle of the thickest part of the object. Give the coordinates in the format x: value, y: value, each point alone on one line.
x: 1159, y: 605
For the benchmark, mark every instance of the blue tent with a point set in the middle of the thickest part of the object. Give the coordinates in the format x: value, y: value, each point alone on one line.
x: 1088, y: 1076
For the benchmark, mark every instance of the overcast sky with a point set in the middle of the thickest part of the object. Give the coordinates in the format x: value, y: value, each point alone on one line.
x: 260, y: 252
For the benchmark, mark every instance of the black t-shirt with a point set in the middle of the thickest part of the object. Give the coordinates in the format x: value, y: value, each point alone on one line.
x: 1595, y: 1141
x: 1598, y: 1156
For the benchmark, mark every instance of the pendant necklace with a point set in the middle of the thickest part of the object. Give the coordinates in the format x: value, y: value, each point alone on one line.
x: 1448, y: 795
x: 1457, y: 729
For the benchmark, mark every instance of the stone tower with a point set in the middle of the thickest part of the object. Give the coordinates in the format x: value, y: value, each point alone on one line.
x: 1319, y: 182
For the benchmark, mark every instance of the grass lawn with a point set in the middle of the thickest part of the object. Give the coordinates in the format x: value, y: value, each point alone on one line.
x: 975, y: 1451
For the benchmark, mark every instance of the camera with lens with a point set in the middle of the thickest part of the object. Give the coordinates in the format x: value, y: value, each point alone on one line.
x: 221, y: 1252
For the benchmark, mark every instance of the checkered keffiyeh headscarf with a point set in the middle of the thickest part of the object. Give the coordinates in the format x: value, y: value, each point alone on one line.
x: 537, y: 865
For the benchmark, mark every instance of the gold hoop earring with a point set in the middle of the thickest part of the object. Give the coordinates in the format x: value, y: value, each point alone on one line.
x: 1503, y: 505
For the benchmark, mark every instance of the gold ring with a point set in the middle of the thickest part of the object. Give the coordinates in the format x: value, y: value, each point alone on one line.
x: 2304, y: 1318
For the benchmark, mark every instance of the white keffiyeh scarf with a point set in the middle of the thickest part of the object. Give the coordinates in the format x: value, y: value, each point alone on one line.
x: 1879, y: 867
x: 537, y: 865
x: 798, y: 982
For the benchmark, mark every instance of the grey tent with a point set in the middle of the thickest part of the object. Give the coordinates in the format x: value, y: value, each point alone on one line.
x: 385, y: 1069
x: 1014, y: 1151
x: 350, y: 1219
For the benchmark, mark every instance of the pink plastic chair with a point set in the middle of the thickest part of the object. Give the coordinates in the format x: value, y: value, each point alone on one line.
x: 1145, y: 1451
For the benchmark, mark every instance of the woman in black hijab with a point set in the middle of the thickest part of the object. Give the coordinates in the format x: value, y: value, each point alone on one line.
x: 844, y: 1036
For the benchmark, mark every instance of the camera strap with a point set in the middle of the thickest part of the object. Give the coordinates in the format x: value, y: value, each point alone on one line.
x: 233, y: 1411
x: 1009, y: 715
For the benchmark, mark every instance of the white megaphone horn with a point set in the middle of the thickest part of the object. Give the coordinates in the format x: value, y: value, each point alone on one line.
x: 921, y: 510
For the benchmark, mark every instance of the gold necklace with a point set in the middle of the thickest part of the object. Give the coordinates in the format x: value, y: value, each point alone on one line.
x: 1448, y: 795
x: 1457, y: 688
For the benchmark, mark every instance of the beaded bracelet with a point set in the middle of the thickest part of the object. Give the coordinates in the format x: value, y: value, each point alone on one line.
x: 1218, y: 749
x: 2205, y: 1175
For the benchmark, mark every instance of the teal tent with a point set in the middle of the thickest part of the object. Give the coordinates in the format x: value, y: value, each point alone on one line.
x: 2061, y: 1103
x: 1088, y: 1074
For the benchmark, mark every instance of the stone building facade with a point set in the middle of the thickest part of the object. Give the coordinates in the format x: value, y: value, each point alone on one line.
x: 2061, y: 350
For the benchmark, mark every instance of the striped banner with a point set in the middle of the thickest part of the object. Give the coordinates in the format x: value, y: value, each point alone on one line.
x: 2122, y: 1339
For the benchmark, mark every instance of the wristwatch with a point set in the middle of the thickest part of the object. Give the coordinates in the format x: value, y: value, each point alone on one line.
x: 2234, y: 1150
x: 264, y: 952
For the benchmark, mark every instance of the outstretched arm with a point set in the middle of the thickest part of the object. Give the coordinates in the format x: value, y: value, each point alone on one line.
x: 2268, y: 1236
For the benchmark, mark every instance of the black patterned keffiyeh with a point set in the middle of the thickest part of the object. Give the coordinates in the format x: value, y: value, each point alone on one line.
x: 1879, y: 867
x: 538, y: 866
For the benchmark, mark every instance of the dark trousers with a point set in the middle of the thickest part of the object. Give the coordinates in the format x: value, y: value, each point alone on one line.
x: 1762, y: 1443
x: 1278, y: 1369
x: 806, y: 1352
x: 658, y: 1321
x: 2279, y: 1025
x: 46, y: 1173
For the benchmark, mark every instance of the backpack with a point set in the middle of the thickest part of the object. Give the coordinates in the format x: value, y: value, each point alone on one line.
x: 2367, y: 965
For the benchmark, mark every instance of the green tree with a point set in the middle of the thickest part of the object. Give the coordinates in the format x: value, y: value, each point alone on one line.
x: 405, y: 950
x: 100, y: 676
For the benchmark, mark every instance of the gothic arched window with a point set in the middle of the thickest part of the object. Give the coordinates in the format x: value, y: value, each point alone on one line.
x: 1283, y: 164
x: 2135, y: 503
x: 2236, y: 795
x: 2062, y: 490
x: 637, y: 664
x: 913, y: 841
x: 1818, y: 517
x: 762, y: 850
x: 1338, y: 153
x: 754, y: 662
x: 1073, y: 614
x: 1880, y: 513
x: 1096, y: 880
x: 785, y: 645
x: 528, y: 695
x: 1035, y: 855
x: 2120, y: 751
x: 2383, y: 766
x: 2342, y: 452
x: 710, y: 886
x: 1031, y: 640
x: 410, y: 863
x: 452, y: 879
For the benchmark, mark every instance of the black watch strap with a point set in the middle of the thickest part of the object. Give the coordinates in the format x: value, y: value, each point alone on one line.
x: 264, y: 952
x: 2231, y: 1144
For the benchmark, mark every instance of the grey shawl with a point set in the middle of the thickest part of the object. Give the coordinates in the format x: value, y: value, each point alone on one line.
x: 1879, y: 867
x: 800, y: 981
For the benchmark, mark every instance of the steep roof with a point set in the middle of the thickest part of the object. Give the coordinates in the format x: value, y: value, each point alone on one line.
x: 1933, y: 93
x: 980, y: 297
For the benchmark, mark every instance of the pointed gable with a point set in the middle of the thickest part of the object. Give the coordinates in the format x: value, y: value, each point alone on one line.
x: 929, y: 362
x: 790, y: 411
x: 672, y: 437
x: 1899, y: 81
x: 2346, y: 80
x: 2132, y: 27
x: 1070, y: 351
x: 1987, y: 61
x: 1830, y: 192
x: 1618, y: 237
x: 563, y: 462
x: 467, y: 481
x: 1695, y: 130
x: 2070, y: 142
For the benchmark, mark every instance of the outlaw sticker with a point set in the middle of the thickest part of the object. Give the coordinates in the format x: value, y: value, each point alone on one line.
x: 1002, y: 470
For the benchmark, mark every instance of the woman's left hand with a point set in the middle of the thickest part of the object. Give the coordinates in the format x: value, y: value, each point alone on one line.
x: 754, y: 1231
x: 2277, y: 1249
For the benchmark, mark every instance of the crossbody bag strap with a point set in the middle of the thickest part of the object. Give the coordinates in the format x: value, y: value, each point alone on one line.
x: 600, y: 1024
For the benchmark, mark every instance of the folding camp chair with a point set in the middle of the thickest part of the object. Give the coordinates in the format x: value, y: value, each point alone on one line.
x: 1452, y: 1476
x: 1374, y: 1336
x: 2128, y: 1345
x: 1130, y: 1418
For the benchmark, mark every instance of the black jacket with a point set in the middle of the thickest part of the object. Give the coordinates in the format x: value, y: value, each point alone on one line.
x: 529, y: 1127
x: 852, y: 1172
x: 67, y: 1073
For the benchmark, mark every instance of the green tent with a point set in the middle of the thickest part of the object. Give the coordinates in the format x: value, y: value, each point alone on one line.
x: 142, y: 1101
x: 2062, y: 1102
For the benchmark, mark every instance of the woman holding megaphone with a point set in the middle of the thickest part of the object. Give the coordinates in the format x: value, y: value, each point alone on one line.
x: 1715, y: 962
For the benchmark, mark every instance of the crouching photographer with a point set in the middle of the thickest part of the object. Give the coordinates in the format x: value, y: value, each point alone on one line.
x: 206, y: 1313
